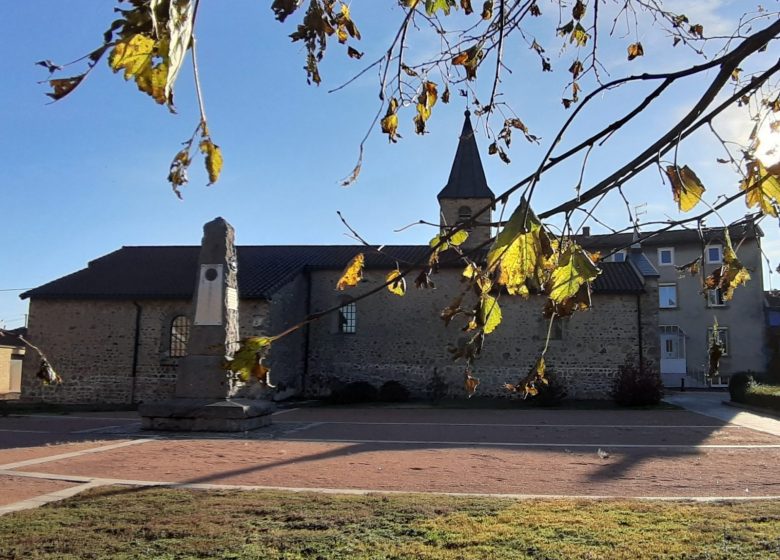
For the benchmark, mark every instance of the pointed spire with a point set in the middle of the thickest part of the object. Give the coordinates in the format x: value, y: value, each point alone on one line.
x: 467, y: 177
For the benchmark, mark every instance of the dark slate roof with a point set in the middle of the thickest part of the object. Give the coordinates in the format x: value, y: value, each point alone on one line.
x: 772, y: 299
x: 742, y: 230
x: 169, y: 272
x: 467, y: 177
x: 11, y: 337
x: 618, y: 278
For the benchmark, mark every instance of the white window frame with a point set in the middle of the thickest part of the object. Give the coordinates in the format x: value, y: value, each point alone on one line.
x: 618, y: 256
x: 671, y: 252
x: 715, y: 298
x: 717, y: 246
x: 723, y: 336
x: 660, y: 301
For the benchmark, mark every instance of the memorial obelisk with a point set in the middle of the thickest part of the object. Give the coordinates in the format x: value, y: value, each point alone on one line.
x: 204, y: 391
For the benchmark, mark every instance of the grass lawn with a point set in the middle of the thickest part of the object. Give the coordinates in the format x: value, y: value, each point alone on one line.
x: 163, y: 523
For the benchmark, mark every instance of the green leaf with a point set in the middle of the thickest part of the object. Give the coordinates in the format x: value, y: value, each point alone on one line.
x: 247, y: 362
x: 518, y: 254
x: 432, y: 6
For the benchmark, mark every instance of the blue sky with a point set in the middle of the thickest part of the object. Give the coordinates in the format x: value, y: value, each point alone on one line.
x: 86, y: 175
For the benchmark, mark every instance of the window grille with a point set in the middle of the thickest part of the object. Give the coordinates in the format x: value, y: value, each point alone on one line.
x: 180, y: 334
x: 348, y: 318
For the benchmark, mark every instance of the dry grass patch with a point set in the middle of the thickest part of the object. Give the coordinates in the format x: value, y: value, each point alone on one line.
x: 167, y: 524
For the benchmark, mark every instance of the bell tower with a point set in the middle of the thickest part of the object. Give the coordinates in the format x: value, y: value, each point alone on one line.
x: 466, y: 191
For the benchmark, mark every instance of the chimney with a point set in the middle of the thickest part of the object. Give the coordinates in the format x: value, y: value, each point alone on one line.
x: 586, y: 231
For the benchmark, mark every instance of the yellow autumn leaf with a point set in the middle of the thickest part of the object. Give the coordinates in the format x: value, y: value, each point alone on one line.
x: 471, y: 383
x: 249, y: 356
x: 397, y: 283
x: 390, y: 121
x: 458, y: 238
x: 146, y: 61
x: 425, y: 102
x: 469, y: 59
x: 635, y: 50
x: 353, y: 273
x: 518, y: 253
x: 732, y: 273
x: 489, y: 315
x: 574, y: 269
x: 213, y: 159
x: 762, y: 187
x: 686, y: 186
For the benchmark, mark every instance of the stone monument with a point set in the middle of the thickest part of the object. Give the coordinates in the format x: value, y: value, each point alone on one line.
x: 204, y: 397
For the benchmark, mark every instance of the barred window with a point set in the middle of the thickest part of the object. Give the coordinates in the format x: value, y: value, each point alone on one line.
x: 180, y: 334
x: 348, y: 318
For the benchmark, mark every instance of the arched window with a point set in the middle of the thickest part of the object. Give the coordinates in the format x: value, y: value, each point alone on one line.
x: 464, y: 215
x: 180, y: 334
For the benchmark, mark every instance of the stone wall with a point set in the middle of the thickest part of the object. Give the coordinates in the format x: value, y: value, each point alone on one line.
x: 90, y: 343
x: 450, y: 208
x: 287, y: 356
x: 403, y: 339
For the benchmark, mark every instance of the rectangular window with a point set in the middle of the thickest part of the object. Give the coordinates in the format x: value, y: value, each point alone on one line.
x: 617, y: 256
x: 667, y: 296
x: 715, y: 298
x: 714, y: 254
x: 666, y: 256
x: 723, y: 337
x: 348, y: 318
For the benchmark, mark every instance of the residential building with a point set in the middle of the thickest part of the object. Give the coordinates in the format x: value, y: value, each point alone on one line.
x: 12, y: 351
x: 688, y: 313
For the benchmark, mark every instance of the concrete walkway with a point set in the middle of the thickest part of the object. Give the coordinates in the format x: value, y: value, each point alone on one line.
x: 711, y: 404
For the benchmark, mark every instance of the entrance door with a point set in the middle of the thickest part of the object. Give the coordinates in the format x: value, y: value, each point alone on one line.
x: 672, y: 350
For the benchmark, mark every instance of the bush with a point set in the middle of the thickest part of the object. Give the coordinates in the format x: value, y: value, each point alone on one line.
x: 552, y: 393
x: 393, y: 391
x: 739, y: 384
x: 354, y: 392
x: 637, y: 384
x: 764, y: 396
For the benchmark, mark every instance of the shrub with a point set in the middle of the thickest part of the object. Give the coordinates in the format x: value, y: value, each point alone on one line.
x: 393, y: 391
x: 354, y: 392
x: 551, y: 393
x: 637, y: 384
x: 764, y: 396
x: 738, y: 385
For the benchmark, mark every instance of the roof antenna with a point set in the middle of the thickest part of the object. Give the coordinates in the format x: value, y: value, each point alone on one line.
x: 639, y: 210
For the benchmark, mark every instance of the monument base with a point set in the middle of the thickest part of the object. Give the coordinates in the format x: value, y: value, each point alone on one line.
x: 199, y: 415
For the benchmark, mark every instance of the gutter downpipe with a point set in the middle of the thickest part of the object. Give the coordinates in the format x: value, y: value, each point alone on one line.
x: 639, y: 332
x: 136, y: 345
x: 307, y: 335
